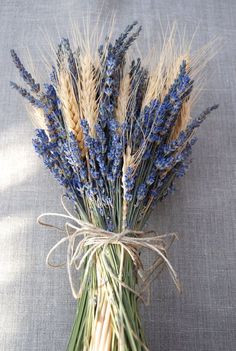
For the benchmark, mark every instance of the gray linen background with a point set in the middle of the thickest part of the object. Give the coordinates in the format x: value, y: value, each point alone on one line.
x: 36, y: 307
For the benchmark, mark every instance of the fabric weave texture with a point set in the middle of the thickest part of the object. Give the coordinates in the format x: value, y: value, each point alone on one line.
x: 36, y: 304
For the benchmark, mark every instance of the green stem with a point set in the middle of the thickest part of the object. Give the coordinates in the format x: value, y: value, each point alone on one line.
x: 123, y: 309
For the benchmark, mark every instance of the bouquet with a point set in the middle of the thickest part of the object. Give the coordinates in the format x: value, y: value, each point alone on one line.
x: 115, y: 133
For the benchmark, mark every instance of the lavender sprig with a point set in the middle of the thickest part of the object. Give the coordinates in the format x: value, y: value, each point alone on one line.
x: 27, y: 77
x: 23, y: 92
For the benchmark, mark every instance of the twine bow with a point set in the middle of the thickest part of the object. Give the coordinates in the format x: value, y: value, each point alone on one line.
x: 92, y: 239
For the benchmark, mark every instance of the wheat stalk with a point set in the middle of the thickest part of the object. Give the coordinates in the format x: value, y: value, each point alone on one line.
x: 123, y: 98
x: 36, y: 116
x: 158, y: 74
x: 184, y: 115
x: 195, y: 65
x: 87, y: 88
x: 69, y: 106
x: 182, y: 120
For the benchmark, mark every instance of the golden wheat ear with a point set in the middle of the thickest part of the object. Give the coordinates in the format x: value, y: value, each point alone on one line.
x: 182, y: 120
x: 195, y: 66
x: 70, y: 110
x: 166, y: 70
x: 123, y: 98
x: 37, y: 117
x: 88, y: 82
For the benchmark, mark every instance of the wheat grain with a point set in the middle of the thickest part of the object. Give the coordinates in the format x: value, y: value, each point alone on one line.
x: 123, y: 98
x: 182, y: 120
x: 87, y: 88
x: 70, y: 108
x: 36, y: 116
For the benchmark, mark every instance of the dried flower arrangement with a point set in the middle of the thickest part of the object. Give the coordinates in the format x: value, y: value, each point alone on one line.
x: 115, y: 135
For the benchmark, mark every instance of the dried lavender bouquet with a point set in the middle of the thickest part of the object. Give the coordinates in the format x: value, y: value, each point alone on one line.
x: 115, y: 134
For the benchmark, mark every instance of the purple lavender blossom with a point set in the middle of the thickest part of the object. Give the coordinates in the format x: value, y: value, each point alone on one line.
x: 35, y: 87
x: 23, y: 92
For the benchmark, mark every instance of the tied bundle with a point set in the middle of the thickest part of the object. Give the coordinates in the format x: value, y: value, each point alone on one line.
x: 96, y: 238
x: 115, y: 133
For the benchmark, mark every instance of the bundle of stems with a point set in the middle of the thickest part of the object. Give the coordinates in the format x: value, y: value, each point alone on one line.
x: 115, y: 133
x: 107, y: 314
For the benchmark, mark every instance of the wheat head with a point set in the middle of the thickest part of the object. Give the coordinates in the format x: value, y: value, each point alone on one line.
x: 87, y: 88
x: 70, y: 108
x: 123, y: 98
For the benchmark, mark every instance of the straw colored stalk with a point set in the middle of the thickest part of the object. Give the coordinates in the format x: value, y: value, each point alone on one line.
x: 184, y: 115
x: 123, y: 99
x: 89, y: 66
x: 166, y: 71
x: 102, y: 323
x: 171, y: 74
x: 159, y: 73
x: 69, y: 106
x: 163, y: 75
x: 195, y: 66
x: 37, y: 117
x: 87, y: 88
x: 166, y: 65
x: 182, y: 120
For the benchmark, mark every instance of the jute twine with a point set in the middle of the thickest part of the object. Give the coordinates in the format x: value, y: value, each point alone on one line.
x: 85, y: 240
